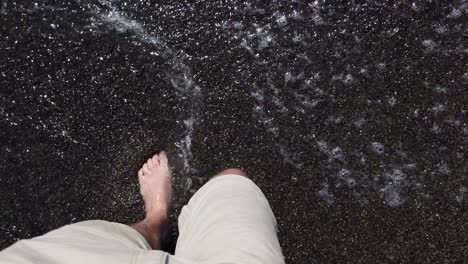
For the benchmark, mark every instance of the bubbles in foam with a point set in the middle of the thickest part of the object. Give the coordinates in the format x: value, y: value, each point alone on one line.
x: 281, y: 20
x: 360, y: 122
x: 440, y: 89
x: 429, y: 44
x: 441, y: 29
x: 392, y: 196
x: 345, y: 78
x: 378, y: 148
x: 325, y: 194
x: 287, y: 157
x: 456, y: 13
x: 461, y: 194
x: 258, y: 95
x: 444, y: 168
x: 289, y: 77
x: 296, y: 15
x: 345, y: 175
x: 396, y: 176
x: 337, y: 153
x: 323, y: 147
x: 348, y: 79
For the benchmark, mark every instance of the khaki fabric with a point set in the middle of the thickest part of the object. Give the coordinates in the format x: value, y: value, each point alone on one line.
x: 228, y: 220
x: 85, y: 242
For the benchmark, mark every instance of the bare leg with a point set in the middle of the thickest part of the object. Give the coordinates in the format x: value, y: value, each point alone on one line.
x: 155, y: 185
x: 230, y: 171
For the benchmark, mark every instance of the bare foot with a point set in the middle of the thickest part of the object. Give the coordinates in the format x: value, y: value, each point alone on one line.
x: 155, y: 186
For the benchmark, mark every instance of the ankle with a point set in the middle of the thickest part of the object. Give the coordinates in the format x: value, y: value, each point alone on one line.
x: 155, y: 221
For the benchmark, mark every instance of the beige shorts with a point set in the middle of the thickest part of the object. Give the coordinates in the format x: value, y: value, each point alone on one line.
x: 228, y: 220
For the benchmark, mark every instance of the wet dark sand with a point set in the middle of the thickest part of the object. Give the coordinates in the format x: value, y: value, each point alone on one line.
x: 351, y: 117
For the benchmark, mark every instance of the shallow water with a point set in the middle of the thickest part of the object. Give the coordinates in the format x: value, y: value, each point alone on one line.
x: 350, y: 116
